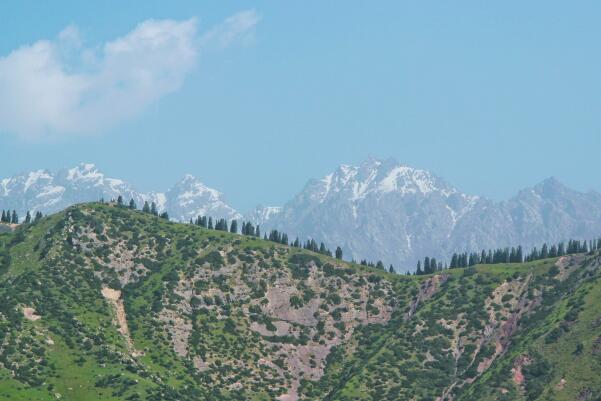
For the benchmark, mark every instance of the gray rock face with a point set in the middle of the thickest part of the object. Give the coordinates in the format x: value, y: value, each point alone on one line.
x: 398, y: 214
x: 48, y: 192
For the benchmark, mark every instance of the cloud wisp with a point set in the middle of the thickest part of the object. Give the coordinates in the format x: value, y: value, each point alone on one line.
x: 54, y: 88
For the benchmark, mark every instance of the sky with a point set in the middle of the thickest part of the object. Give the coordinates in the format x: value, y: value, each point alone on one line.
x: 255, y: 98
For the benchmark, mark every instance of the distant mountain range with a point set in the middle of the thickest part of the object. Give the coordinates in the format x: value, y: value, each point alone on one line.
x: 47, y: 191
x: 380, y: 210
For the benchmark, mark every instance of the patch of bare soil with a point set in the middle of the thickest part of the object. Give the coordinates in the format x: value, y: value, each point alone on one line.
x: 113, y: 297
x: 564, y: 263
x: 519, y: 363
x: 29, y: 314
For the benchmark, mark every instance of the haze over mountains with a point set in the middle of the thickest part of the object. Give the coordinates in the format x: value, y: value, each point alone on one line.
x: 380, y: 210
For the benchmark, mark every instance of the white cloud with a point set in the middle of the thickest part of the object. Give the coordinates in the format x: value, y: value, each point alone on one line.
x: 233, y: 28
x: 58, y: 87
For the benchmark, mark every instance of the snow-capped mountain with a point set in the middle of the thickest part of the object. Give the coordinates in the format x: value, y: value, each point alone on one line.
x: 398, y: 214
x: 190, y: 198
x: 45, y: 191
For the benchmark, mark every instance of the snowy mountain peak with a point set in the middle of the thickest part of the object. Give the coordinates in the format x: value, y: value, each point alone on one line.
x: 376, y: 177
x: 407, y: 180
x: 189, y: 178
x: 84, y: 172
x: 190, y: 188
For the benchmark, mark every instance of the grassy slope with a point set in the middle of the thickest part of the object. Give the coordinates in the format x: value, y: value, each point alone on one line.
x: 75, y: 352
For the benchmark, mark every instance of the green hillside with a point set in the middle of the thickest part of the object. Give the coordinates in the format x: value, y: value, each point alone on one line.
x: 105, y: 303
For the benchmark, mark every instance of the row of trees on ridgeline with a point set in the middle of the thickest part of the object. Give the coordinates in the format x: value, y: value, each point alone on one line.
x: 248, y: 228
x: 13, y: 218
x: 509, y: 255
x: 9, y: 218
x: 147, y: 208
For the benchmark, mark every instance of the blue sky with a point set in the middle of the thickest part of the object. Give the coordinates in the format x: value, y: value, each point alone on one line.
x: 492, y: 97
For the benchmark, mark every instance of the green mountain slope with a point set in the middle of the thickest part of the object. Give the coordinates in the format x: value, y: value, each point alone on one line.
x: 104, y: 303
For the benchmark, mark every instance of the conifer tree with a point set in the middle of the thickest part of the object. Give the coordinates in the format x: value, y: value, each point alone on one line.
x: 132, y: 204
x: 38, y: 216
x: 339, y: 253
x: 14, y: 219
x: 219, y: 223
x: 418, y: 271
x: 544, y: 252
x: 391, y: 269
x: 234, y: 226
x: 553, y: 251
x: 146, y: 207
x: 164, y: 215
x: 153, y: 209
x: 119, y: 200
x: 454, y: 263
x: 28, y: 218
x: 210, y: 223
